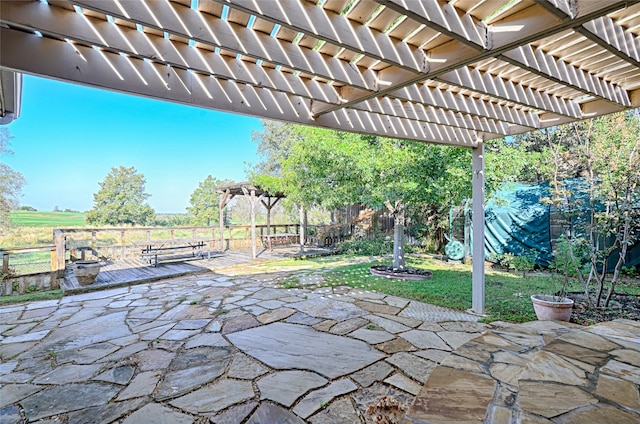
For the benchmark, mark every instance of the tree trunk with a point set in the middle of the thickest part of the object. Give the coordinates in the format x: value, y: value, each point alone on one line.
x: 398, y: 239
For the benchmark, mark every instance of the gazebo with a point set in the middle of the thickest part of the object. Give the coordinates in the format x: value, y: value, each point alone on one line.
x: 256, y: 194
x: 454, y: 72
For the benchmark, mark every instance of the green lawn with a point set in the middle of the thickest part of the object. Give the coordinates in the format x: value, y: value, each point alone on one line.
x: 507, y: 295
x: 31, y: 297
x: 47, y: 219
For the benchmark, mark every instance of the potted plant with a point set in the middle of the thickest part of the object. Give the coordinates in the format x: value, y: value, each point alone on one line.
x: 552, y: 307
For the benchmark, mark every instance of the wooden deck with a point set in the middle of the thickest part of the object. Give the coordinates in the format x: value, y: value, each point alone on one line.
x: 130, y: 271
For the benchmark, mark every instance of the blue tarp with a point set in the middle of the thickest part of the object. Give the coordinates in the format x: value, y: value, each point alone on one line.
x: 517, y: 221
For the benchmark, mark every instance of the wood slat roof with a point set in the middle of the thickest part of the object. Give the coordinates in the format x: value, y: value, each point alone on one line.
x: 454, y: 72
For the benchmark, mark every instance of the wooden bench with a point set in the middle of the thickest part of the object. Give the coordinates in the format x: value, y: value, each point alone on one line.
x: 155, y: 251
x: 270, y: 240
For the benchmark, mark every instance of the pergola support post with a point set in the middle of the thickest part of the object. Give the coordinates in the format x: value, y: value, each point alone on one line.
x: 252, y: 199
x: 225, y: 198
x: 268, y: 205
x: 253, y: 224
x: 302, y: 227
x: 478, y: 228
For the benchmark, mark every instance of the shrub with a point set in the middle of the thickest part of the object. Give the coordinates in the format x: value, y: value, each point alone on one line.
x: 523, y: 262
x: 562, y: 261
x: 379, y: 245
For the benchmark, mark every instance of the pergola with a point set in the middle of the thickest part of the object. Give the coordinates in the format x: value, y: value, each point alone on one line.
x: 456, y: 72
x: 268, y: 200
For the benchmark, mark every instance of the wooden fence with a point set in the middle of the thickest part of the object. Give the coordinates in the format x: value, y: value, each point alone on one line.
x: 34, y: 268
x: 49, y: 262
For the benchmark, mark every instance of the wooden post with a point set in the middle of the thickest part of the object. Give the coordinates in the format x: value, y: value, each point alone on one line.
x: 269, y: 216
x: 59, y: 241
x: 302, y: 229
x: 53, y: 258
x: 225, y: 198
x: 253, y: 223
x: 123, y: 243
x: 221, y: 222
x: 268, y: 206
x: 5, y: 262
x: 477, y: 270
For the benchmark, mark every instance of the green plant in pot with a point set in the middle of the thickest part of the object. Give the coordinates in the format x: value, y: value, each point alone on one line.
x: 558, y: 306
x: 552, y: 307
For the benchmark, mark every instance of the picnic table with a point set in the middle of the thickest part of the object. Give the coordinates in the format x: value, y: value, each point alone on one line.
x: 157, y: 250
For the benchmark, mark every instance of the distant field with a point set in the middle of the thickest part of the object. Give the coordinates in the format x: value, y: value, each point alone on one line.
x: 47, y: 219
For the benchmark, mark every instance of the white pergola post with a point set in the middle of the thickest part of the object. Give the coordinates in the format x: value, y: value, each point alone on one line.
x: 478, y: 229
x: 302, y: 228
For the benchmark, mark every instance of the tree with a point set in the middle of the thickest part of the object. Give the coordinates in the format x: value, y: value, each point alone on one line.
x: 11, y: 182
x: 121, y: 200
x: 334, y: 168
x: 274, y: 143
x: 608, y: 151
x: 204, y: 202
x: 614, y: 156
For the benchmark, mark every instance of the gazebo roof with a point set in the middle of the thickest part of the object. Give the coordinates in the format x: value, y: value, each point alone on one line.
x: 238, y: 189
x: 454, y: 72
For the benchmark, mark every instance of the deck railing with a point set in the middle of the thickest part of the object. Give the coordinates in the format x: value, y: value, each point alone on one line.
x: 41, y: 266
x: 29, y: 268
x: 120, y: 243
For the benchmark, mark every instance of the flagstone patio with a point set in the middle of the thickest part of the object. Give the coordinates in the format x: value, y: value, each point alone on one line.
x: 241, y: 349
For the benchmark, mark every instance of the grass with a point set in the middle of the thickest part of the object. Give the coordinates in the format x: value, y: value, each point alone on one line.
x: 31, y: 297
x: 47, y: 219
x: 507, y: 294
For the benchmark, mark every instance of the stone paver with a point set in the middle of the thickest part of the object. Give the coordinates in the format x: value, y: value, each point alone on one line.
x: 540, y: 372
x: 287, y: 386
x: 322, y: 397
x: 155, y: 413
x: 240, y: 349
x: 288, y: 346
x: 216, y: 397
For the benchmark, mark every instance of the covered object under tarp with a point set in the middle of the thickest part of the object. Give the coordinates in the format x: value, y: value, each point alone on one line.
x: 519, y: 221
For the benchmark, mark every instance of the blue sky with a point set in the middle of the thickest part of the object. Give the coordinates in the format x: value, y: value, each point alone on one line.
x: 68, y: 137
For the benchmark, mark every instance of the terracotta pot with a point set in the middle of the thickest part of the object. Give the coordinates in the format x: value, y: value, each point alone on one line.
x: 86, y: 271
x: 552, y: 307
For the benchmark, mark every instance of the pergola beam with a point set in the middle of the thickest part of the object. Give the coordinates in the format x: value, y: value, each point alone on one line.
x: 200, y: 27
x: 63, y: 60
x: 602, y: 31
x: 445, y: 19
x: 89, y: 31
x: 419, y: 112
x: 483, y: 82
x: 461, y: 52
x: 446, y: 99
x: 309, y: 19
x: 325, y: 25
x: 543, y: 64
x: 613, y: 38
